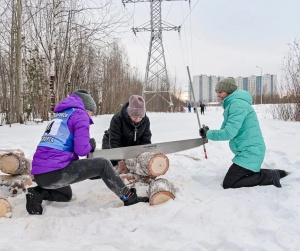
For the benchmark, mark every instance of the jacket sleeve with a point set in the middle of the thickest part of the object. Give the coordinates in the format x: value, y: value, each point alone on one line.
x: 237, y: 113
x: 81, y: 130
x: 115, y: 132
x: 146, y: 137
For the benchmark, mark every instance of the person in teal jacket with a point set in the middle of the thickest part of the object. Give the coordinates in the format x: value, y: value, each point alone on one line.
x: 241, y: 128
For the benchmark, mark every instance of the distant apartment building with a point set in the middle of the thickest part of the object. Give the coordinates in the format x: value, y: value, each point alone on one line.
x: 269, y: 84
x: 204, y: 86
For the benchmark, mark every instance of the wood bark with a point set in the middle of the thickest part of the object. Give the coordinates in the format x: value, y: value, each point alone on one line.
x: 149, y: 164
x: 5, y: 208
x: 160, y: 191
x: 12, y: 185
x: 18, y: 152
x: 11, y: 163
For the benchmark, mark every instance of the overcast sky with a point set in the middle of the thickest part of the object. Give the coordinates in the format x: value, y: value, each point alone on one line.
x: 218, y: 37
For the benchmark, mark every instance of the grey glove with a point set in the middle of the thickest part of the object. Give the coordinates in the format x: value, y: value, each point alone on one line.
x: 93, y: 144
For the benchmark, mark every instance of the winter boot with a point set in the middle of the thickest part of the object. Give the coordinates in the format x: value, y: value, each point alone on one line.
x: 282, y: 173
x: 133, y: 198
x: 34, y: 200
x: 275, y: 177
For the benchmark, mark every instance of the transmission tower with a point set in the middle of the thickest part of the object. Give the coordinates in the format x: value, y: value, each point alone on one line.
x: 156, y: 71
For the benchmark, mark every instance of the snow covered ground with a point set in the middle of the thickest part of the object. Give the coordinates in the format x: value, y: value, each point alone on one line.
x: 203, y: 215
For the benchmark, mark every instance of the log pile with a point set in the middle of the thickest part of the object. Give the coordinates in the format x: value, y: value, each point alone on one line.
x: 146, y: 168
x: 15, y: 178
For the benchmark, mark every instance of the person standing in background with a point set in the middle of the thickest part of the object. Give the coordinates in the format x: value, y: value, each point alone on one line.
x: 202, y: 106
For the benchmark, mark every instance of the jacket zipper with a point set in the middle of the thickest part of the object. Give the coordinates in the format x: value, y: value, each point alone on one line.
x: 135, y: 131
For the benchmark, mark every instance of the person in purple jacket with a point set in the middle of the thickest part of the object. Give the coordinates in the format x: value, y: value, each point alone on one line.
x: 56, y: 164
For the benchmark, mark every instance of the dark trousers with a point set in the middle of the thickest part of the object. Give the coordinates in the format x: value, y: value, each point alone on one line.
x: 238, y: 176
x: 202, y: 110
x: 55, y: 186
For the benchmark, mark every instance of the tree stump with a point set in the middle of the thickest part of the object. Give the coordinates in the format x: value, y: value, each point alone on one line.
x: 5, y: 208
x: 18, y: 152
x: 149, y: 164
x: 12, y: 185
x: 160, y: 191
x: 11, y: 163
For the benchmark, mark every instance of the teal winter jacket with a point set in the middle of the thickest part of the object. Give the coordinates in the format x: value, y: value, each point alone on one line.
x: 241, y: 127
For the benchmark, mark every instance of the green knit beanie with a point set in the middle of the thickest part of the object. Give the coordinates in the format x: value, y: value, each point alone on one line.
x: 87, y: 100
x: 226, y: 85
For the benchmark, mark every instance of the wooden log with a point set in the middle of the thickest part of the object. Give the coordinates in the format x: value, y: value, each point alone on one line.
x: 11, y: 163
x: 5, y: 208
x: 18, y: 152
x: 130, y: 164
x: 12, y: 185
x: 122, y: 168
x: 160, y: 191
x: 149, y: 164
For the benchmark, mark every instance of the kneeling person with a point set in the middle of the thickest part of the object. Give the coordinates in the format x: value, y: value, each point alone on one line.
x: 241, y: 128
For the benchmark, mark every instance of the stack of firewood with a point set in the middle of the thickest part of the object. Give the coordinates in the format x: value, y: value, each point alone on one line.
x: 16, y: 176
x: 146, y: 168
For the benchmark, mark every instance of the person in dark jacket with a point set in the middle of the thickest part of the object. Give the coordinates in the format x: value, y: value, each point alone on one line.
x: 241, y: 128
x: 56, y: 164
x: 129, y: 127
x: 189, y: 107
x: 202, y: 106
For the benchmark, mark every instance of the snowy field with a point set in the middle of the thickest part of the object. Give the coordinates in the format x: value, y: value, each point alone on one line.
x: 203, y: 215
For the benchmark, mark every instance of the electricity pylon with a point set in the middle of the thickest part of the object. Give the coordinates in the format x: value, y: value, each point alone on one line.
x: 156, y: 70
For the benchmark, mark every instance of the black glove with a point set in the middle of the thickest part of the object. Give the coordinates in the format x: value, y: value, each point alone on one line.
x: 203, y: 131
x: 93, y: 144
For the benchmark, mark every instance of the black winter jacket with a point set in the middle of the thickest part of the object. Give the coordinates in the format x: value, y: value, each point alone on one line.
x: 123, y: 132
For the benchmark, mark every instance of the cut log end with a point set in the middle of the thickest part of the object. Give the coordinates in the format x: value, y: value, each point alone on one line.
x: 159, y: 165
x: 161, y: 197
x: 9, y: 164
x: 149, y: 164
x: 5, y: 208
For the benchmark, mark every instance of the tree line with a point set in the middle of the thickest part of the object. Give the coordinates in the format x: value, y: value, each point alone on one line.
x: 50, y: 48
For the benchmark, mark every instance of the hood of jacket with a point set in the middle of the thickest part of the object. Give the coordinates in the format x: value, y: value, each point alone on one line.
x: 238, y: 94
x: 72, y: 101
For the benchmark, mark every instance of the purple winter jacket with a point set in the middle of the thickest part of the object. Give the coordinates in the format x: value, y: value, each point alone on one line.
x: 48, y: 159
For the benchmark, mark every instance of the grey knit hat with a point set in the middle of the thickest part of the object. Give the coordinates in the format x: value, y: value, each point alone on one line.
x: 136, y: 106
x: 87, y: 100
x: 226, y: 85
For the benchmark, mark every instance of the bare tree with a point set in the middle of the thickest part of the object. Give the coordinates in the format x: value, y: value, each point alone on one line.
x: 19, y: 79
x: 65, y: 45
x: 289, y: 109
